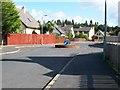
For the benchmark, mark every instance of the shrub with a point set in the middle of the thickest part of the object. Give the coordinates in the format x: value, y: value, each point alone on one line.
x: 66, y: 37
x: 81, y: 35
x: 70, y: 35
x: 77, y: 35
x: 86, y: 37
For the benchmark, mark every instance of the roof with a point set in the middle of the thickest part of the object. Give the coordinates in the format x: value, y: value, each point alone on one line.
x: 27, y: 19
x: 65, y: 28
x: 101, y: 32
x: 87, y: 29
x: 59, y: 29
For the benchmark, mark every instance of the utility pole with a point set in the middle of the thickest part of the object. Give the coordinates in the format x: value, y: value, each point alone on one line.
x: 105, y: 30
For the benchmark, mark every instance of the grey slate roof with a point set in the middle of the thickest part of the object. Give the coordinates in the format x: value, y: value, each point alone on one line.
x: 66, y: 28
x: 27, y: 19
x: 83, y: 29
x: 59, y: 29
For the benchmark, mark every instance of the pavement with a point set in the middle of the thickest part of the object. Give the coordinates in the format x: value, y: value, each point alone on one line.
x: 86, y: 72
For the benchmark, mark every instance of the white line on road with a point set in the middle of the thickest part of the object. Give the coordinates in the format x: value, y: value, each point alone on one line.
x: 51, y: 83
x: 10, y: 52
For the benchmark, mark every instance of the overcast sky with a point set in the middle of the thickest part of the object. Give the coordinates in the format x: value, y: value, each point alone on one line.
x: 79, y: 10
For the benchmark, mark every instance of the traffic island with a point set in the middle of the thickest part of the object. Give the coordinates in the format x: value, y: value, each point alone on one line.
x: 67, y: 46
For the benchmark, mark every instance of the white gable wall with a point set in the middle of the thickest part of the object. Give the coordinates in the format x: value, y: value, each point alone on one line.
x: 91, y: 33
x: 29, y: 31
x: 72, y: 32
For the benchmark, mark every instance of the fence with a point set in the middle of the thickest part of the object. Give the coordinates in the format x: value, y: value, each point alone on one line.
x: 113, y: 54
x: 113, y: 51
x: 15, y: 39
x: 113, y: 39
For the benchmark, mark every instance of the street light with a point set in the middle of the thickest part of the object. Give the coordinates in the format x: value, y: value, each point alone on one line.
x: 42, y: 29
x: 105, y: 28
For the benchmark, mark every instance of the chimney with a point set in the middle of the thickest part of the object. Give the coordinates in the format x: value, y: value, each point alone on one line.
x: 24, y: 10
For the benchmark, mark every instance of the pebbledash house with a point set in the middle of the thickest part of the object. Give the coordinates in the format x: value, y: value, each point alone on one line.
x: 28, y: 23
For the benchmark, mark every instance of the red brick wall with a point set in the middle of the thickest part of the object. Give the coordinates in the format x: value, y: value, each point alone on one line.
x: 14, y: 39
x: 60, y: 40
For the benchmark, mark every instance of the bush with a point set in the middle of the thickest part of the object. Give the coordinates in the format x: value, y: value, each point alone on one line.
x: 86, y: 37
x: 66, y: 37
x: 70, y: 35
x: 58, y: 36
x: 77, y: 35
x: 81, y: 35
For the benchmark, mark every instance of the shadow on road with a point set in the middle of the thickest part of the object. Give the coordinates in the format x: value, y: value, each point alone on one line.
x: 96, y: 45
x: 94, y: 72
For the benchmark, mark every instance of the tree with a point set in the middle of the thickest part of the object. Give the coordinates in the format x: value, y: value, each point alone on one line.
x: 50, y: 27
x: 10, y: 18
x: 96, y: 26
x: 101, y: 27
x: 72, y: 22
x: 76, y: 25
x: 65, y: 21
x: 86, y: 23
x: 59, y: 22
x: 91, y: 23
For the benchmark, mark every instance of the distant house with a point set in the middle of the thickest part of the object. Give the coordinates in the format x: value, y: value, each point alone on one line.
x: 28, y: 23
x: 58, y: 30
x: 99, y: 34
x: 66, y: 29
x: 90, y: 31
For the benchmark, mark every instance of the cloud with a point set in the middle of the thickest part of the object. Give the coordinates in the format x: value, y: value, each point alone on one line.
x: 112, y: 9
x: 99, y: 4
x: 40, y: 15
x: 77, y: 19
x: 59, y: 15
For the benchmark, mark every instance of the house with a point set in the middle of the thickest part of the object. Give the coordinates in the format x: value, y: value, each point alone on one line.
x: 99, y: 34
x: 90, y: 31
x: 28, y: 23
x: 58, y: 30
x: 66, y: 29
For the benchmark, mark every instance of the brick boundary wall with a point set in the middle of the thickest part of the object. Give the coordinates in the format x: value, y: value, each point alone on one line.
x: 16, y: 39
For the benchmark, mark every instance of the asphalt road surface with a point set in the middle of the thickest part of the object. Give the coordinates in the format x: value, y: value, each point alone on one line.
x: 34, y: 67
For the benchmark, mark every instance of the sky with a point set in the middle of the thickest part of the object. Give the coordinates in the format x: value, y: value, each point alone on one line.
x: 79, y: 10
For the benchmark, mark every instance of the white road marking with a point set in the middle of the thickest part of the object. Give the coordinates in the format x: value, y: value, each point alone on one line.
x: 51, y: 83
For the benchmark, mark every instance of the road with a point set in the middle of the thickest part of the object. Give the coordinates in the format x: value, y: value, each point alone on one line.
x: 34, y: 67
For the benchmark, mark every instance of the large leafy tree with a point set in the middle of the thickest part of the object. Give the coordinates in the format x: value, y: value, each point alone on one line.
x: 10, y: 18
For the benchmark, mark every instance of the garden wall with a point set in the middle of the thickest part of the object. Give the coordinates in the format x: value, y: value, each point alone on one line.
x: 15, y: 39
